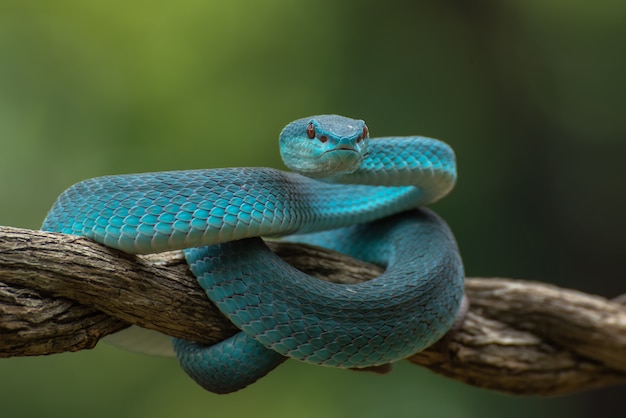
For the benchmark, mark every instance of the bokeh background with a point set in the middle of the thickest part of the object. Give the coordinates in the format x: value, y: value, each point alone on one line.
x: 530, y: 93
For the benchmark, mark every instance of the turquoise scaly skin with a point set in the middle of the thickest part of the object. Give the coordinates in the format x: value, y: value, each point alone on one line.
x: 364, y: 192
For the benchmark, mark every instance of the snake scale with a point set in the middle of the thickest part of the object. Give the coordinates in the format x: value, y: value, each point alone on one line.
x: 347, y: 192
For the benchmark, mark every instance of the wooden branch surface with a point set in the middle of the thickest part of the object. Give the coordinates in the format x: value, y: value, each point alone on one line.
x: 63, y: 293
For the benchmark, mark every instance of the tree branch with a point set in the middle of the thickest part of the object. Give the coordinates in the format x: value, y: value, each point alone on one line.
x: 63, y: 293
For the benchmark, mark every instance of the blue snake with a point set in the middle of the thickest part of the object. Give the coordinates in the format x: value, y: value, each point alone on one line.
x: 347, y: 192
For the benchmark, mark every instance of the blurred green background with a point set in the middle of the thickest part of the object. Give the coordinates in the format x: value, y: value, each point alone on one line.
x: 530, y: 93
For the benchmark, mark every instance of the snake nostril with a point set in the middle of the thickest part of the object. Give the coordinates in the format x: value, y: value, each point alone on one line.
x: 323, y: 139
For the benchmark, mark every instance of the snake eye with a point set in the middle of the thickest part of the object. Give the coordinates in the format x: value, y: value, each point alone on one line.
x: 310, y: 130
x: 363, y: 134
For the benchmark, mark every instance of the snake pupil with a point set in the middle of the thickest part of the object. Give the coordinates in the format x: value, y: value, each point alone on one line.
x: 310, y: 130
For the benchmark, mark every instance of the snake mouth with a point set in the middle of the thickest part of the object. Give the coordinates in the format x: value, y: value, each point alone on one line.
x: 341, y: 149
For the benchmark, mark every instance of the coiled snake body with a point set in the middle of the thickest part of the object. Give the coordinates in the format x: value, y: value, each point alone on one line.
x: 364, y: 193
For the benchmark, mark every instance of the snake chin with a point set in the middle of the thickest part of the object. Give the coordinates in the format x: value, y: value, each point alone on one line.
x: 340, y: 161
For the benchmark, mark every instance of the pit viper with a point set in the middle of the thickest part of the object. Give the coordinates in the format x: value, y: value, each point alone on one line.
x: 348, y: 192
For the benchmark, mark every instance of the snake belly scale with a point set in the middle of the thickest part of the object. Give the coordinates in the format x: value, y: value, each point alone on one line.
x: 348, y: 192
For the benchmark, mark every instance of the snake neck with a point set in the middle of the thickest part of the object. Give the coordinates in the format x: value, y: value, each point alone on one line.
x: 425, y: 163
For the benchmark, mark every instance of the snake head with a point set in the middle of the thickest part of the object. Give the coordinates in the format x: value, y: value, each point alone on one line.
x: 321, y: 146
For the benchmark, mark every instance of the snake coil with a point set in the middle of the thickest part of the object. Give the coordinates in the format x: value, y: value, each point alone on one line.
x: 360, y: 196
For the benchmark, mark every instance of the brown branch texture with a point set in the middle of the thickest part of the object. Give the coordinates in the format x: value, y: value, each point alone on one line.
x: 64, y: 293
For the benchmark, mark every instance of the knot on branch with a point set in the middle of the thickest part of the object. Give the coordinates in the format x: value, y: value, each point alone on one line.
x: 64, y: 293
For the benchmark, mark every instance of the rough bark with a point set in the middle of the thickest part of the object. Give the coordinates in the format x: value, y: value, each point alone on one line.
x: 63, y: 293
